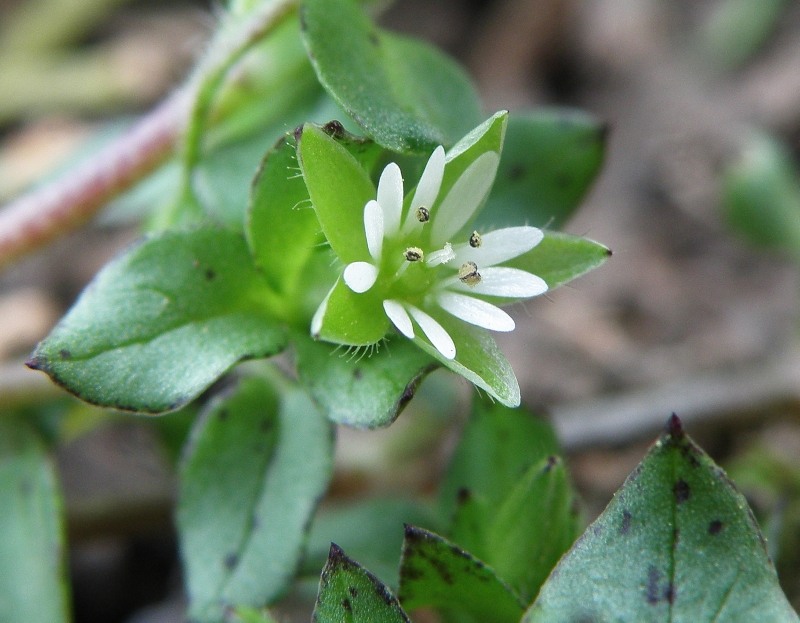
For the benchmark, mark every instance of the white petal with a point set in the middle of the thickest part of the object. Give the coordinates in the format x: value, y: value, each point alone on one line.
x: 435, y: 332
x: 499, y: 246
x: 431, y: 180
x: 360, y: 276
x: 475, y: 311
x: 390, y: 197
x: 460, y: 204
x: 399, y: 317
x: 374, y: 228
x: 319, y: 315
x: 503, y: 281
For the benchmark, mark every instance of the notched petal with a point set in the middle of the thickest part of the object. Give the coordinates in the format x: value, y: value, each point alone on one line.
x: 374, y: 227
x: 390, y: 197
x: 435, y: 332
x: 499, y: 246
x: 505, y: 282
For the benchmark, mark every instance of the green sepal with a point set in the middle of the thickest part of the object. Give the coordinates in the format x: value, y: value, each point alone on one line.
x: 339, y: 188
x: 350, y: 319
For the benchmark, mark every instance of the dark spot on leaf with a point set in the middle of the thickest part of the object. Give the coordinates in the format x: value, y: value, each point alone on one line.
x: 562, y: 180
x: 65, y: 354
x: 231, y: 560
x: 681, y: 491
x: 626, y: 523
x: 463, y: 495
x: 334, y: 129
x: 223, y: 414
x: 516, y: 172
x: 346, y: 604
x: 715, y: 527
x: 552, y: 461
x: 653, y: 576
x: 358, y: 374
x: 670, y: 593
x: 353, y: 591
x: 210, y: 274
x: 266, y: 425
x: 412, y: 573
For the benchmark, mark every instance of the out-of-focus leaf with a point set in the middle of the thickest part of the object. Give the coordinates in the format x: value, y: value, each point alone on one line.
x: 550, y: 159
x: 761, y: 196
x: 405, y: 94
x: 677, y: 543
x: 162, y: 322
x: 348, y: 593
x: 32, y: 575
x: 255, y: 471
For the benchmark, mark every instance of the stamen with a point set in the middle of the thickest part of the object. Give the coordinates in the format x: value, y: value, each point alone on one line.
x: 413, y: 254
x: 475, y: 240
x: 468, y: 273
x: 423, y: 214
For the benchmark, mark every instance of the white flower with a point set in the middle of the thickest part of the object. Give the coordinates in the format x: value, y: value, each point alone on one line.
x: 426, y: 262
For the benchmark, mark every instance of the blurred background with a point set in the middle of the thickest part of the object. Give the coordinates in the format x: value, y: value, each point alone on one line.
x: 697, y: 311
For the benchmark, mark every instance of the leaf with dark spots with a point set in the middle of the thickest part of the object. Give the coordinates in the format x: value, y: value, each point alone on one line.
x: 675, y: 563
x: 151, y: 333
x: 437, y: 573
x: 249, y: 484
x: 348, y: 592
x: 682, y: 491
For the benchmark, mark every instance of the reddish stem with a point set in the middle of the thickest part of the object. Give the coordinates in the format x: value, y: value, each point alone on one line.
x: 43, y: 214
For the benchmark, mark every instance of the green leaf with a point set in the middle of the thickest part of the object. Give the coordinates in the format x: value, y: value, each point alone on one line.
x: 550, y: 159
x: 369, y: 530
x: 32, y: 582
x: 560, y: 258
x: 761, y: 196
x: 366, y: 391
x: 435, y: 572
x: 677, y: 543
x: 509, y: 497
x: 162, y: 322
x: 405, y: 94
x: 348, y: 593
x: 244, y: 614
x: 533, y: 527
x: 339, y: 188
x: 251, y: 480
x: 478, y: 359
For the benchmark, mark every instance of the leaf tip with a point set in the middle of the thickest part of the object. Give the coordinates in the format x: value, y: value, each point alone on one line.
x: 674, y: 428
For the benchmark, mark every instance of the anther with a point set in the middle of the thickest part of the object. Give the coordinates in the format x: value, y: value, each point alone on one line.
x: 475, y: 240
x: 423, y: 214
x: 413, y: 254
x: 468, y: 273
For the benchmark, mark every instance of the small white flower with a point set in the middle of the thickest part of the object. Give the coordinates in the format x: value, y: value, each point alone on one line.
x: 426, y: 261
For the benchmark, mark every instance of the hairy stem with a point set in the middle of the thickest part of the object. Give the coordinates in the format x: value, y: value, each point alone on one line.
x: 40, y: 216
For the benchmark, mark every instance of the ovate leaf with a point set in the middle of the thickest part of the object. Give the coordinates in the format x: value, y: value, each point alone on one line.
x: 365, y: 390
x: 677, y: 543
x: 256, y: 467
x: 162, y: 322
x: 404, y: 94
x: 32, y: 583
x: 348, y: 593
x: 437, y: 573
